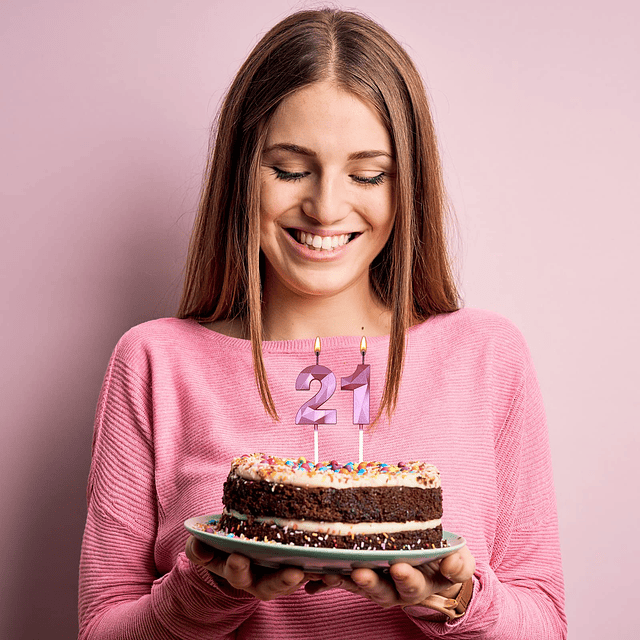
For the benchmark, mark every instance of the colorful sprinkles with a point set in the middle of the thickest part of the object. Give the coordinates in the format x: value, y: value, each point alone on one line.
x: 267, y: 467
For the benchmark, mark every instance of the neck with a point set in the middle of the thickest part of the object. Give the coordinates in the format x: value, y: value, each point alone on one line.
x: 288, y: 316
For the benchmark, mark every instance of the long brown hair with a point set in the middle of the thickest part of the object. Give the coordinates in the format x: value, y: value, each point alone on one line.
x: 412, y: 274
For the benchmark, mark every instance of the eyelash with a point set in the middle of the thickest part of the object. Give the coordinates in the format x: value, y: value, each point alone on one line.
x: 295, y: 177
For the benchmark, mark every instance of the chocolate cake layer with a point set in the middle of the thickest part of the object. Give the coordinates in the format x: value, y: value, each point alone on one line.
x: 405, y: 540
x: 361, y: 504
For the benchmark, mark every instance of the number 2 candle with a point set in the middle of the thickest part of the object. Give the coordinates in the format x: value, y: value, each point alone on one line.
x: 309, y: 413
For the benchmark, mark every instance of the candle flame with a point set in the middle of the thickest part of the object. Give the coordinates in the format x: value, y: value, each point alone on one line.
x: 316, y: 346
x: 363, y: 345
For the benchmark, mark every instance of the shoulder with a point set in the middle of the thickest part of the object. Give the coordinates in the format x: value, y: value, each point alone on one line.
x: 157, y: 334
x: 482, y: 325
x: 178, y: 345
x: 165, y: 341
x: 479, y: 332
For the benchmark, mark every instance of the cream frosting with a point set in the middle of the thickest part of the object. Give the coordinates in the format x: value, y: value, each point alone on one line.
x: 300, y: 472
x: 342, y: 528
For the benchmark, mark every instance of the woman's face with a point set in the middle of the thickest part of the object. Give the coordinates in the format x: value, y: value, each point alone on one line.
x: 326, y: 197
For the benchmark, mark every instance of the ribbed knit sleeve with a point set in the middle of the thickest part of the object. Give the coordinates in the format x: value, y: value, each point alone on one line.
x: 121, y: 594
x: 519, y: 593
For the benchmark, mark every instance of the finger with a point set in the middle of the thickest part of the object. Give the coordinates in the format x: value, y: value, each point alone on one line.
x: 411, y: 584
x: 341, y: 582
x: 372, y: 586
x: 279, y: 584
x: 237, y: 572
x: 313, y: 576
x: 197, y: 551
x: 459, y: 566
x: 323, y: 583
x: 201, y: 554
x: 332, y: 579
x: 318, y: 586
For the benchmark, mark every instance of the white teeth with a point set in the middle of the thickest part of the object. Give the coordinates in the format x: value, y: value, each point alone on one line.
x: 322, y: 243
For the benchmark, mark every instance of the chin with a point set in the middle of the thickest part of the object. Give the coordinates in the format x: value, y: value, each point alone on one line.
x: 324, y: 290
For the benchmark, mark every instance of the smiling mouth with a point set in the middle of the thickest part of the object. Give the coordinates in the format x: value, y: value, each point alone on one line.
x: 321, y: 243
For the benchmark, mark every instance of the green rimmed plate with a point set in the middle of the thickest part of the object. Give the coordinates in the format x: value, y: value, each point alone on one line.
x: 317, y: 560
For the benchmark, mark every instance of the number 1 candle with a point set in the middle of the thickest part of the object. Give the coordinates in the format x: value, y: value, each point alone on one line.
x: 309, y: 413
x: 359, y: 382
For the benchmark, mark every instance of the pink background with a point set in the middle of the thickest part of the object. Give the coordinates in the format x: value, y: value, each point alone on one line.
x: 106, y: 110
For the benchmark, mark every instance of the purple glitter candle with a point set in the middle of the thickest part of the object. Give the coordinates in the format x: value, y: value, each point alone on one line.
x: 309, y: 412
x: 359, y: 382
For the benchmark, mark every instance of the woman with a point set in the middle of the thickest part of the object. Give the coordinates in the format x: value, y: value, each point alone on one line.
x: 323, y: 214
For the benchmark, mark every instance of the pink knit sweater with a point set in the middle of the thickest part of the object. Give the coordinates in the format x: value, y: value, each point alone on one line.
x: 179, y: 402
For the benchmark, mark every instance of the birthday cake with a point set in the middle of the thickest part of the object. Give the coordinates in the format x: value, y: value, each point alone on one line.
x: 371, y: 505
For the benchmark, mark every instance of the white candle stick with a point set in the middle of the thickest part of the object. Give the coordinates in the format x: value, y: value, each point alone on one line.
x: 360, y: 444
x: 315, y: 444
x: 316, y: 348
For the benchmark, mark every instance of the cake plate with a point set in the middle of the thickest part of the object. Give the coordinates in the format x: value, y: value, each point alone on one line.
x: 316, y: 560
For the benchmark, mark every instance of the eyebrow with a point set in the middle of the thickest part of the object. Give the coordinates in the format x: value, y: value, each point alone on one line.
x: 303, y: 151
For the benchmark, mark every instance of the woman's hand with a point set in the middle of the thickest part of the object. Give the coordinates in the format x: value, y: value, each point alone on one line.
x: 404, y: 584
x: 237, y: 572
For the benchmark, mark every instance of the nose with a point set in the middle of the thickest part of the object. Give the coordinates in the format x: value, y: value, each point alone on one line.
x: 327, y: 201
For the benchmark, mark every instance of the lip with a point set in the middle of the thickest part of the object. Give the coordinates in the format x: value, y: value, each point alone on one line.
x: 317, y: 256
x: 325, y: 232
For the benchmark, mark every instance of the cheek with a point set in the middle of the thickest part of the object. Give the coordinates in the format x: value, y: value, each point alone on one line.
x: 275, y: 199
x: 266, y: 202
x: 383, y: 213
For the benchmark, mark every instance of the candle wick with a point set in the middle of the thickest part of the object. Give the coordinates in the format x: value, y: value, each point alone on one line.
x: 363, y: 356
x: 317, y: 357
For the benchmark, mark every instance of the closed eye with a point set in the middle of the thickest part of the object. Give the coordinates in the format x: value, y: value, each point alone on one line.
x: 295, y: 176
x: 373, y: 180
x: 288, y: 175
